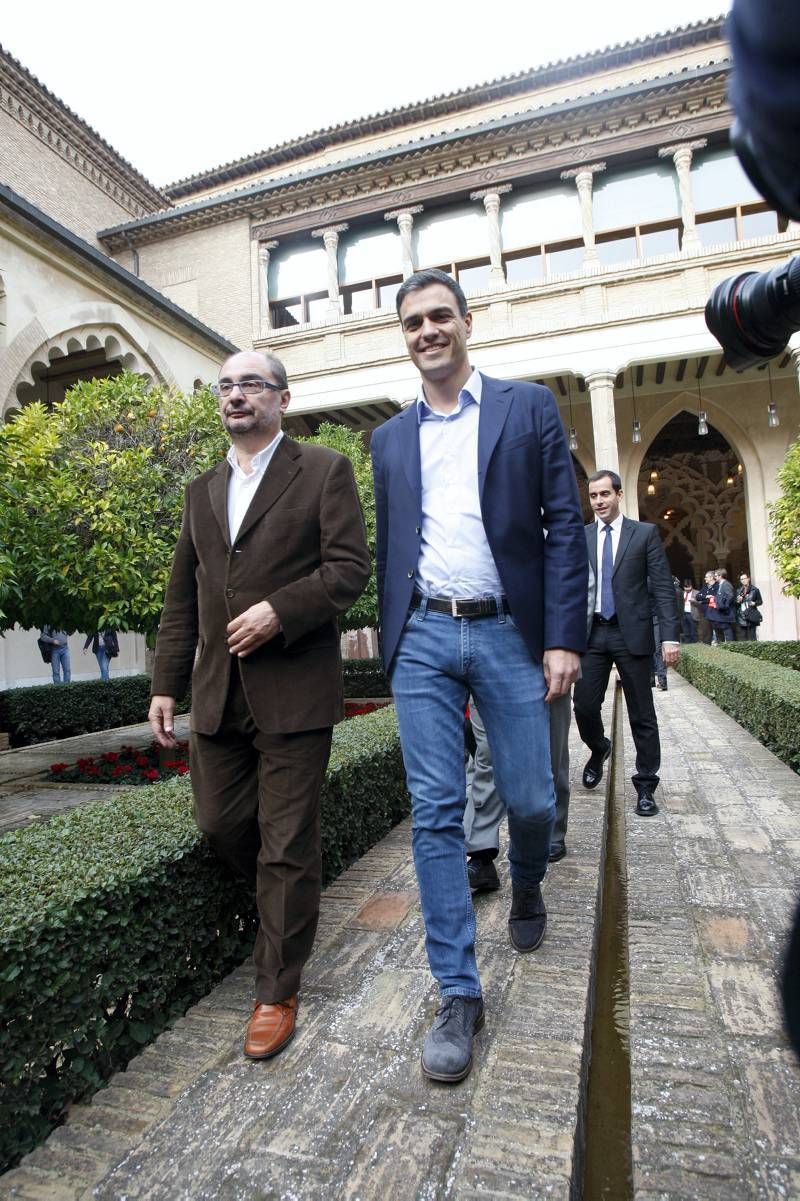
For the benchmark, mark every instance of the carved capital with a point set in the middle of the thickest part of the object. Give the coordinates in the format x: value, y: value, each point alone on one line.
x: 499, y: 190
x: 590, y: 168
x: 264, y: 248
x: 398, y: 214
x: 329, y: 231
x: 681, y: 149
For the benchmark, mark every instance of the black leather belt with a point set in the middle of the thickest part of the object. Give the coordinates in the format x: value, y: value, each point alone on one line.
x: 457, y: 606
x: 605, y: 621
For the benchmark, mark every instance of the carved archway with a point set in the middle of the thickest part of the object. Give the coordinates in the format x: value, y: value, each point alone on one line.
x: 698, y: 500
x: 103, y: 331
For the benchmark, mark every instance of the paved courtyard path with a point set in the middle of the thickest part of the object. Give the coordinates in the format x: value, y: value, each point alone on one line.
x: 345, y: 1111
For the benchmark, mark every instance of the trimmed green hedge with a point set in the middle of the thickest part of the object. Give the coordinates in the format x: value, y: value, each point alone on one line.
x: 364, y: 678
x: 763, y: 697
x: 46, y: 711
x: 785, y: 654
x: 115, y: 917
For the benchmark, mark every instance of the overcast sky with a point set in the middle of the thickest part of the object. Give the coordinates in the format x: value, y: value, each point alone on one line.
x: 178, y: 90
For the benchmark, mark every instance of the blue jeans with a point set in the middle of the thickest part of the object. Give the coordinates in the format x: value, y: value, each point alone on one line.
x: 102, y: 662
x: 439, y: 661
x: 59, y: 663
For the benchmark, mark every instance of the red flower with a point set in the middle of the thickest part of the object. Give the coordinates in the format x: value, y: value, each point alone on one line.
x: 84, y: 763
x: 110, y: 757
x: 151, y: 774
x: 59, y: 766
x: 182, y: 769
x: 141, y: 761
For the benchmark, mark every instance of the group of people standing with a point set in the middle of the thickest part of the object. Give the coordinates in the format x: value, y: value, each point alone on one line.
x: 716, y: 612
x: 489, y: 586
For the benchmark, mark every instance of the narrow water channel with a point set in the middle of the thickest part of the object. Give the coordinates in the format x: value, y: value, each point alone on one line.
x: 608, y: 1172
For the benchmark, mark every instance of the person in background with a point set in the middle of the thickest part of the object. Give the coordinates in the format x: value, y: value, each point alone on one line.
x: 721, y: 608
x: 105, y: 647
x: 59, y: 656
x: 748, y: 613
x: 689, y: 610
x: 703, y: 594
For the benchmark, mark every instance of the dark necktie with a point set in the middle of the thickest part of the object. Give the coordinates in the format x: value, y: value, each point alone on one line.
x: 607, y: 607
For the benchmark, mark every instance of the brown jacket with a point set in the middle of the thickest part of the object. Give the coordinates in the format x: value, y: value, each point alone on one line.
x: 302, y: 547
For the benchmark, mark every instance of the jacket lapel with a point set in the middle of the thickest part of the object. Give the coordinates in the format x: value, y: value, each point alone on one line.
x: 282, y: 469
x: 408, y: 448
x: 218, y: 494
x: 625, y: 535
x: 591, y: 545
x: 496, y: 400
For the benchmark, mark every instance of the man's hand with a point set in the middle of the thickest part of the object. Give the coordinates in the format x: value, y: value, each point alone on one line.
x: 670, y: 653
x: 251, y: 629
x: 162, y: 720
x: 560, y: 671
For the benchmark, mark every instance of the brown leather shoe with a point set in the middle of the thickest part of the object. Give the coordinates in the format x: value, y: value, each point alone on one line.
x: 270, y: 1028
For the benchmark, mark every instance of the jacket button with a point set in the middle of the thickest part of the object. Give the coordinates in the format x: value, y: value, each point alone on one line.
x: 411, y: 575
x: 230, y: 592
x: 418, y: 529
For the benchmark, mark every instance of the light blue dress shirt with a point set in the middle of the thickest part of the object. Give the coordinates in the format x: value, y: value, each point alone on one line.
x: 454, y: 558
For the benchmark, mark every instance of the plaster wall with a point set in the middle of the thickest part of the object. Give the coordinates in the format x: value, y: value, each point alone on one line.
x: 21, y: 664
x: 51, y: 300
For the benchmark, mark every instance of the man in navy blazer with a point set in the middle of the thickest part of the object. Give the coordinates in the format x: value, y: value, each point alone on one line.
x: 632, y: 584
x: 474, y: 598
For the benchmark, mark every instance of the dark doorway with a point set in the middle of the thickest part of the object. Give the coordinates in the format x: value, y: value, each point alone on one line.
x: 692, y: 487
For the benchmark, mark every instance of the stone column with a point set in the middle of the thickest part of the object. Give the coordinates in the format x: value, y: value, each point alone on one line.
x: 330, y: 238
x: 604, y: 425
x: 405, y: 223
x: 681, y: 155
x: 583, y: 182
x: 491, y: 203
x: 264, y: 319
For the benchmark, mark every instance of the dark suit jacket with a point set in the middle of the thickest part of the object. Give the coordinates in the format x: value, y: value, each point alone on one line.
x: 527, y: 485
x: 642, y: 583
x: 302, y: 547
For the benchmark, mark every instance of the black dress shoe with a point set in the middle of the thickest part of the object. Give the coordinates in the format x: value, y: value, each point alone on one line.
x: 482, y: 875
x: 557, y: 851
x: 646, y: 805
x: 447, y: 1052
x: 593, y: 771
x: 527, y: 920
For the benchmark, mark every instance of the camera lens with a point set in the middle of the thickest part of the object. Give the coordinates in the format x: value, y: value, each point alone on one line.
x: 753, y: 315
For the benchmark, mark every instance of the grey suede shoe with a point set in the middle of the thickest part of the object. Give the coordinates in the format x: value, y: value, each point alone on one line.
x: 527, y: 920
x: 447, y: 1053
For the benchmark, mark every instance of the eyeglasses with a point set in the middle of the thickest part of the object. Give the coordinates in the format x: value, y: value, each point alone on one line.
x: 247, y: 387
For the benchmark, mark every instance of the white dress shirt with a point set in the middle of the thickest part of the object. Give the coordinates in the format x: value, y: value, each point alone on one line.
x: 242, y: 486
x: 454, y: 557
x: 616, y: 528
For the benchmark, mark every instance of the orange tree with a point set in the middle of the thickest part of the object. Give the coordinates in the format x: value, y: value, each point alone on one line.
x: 784, y: 519
x: 91, y: 494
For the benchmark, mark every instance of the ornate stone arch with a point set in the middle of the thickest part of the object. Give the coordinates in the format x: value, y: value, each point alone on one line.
x: 63, y: 331
x: 742, y: 445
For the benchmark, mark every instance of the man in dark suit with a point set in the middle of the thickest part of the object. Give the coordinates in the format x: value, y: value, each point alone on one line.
x: 272, y: 548
x: 473, y: 598
x: 632, y: 585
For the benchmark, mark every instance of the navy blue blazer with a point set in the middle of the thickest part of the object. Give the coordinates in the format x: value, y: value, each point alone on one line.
x: 527, y: 486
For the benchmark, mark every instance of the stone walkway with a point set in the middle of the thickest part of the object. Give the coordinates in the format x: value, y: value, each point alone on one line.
x: 26, y: 797
x: 345, y: 1112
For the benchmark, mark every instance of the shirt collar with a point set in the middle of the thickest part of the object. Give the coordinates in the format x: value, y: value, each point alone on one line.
x: 616, y: 524
x: 258, y: 460
x: 472, y: 390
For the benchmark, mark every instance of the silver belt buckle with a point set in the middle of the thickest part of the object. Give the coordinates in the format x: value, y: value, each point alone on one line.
x: 454, y: 606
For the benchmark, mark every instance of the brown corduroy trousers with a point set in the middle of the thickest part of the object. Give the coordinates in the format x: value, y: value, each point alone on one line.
x: 257, y: 798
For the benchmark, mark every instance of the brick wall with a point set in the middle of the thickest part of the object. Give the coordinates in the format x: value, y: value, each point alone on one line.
x: 45, y: 179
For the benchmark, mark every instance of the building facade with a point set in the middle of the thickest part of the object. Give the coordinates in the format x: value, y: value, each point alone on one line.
x: 588, y: 209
